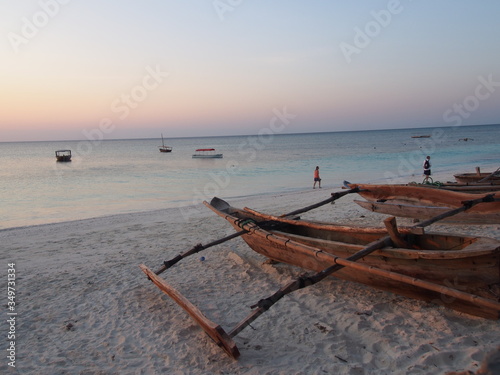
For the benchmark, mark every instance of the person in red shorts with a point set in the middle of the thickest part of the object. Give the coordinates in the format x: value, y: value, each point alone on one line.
x: 317, y: 178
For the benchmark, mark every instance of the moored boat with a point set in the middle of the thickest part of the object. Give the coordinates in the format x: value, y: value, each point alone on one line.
x: 206, y: 153
x: 164, y: 148
x: 63, y: 155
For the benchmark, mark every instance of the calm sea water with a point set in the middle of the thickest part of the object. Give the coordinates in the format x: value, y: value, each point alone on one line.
x: 122, y: 176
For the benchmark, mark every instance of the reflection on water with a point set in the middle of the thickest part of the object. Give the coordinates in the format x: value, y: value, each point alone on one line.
x: 119, y: 176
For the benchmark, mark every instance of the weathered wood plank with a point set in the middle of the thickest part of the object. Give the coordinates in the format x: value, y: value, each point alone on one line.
x: 215, y: 331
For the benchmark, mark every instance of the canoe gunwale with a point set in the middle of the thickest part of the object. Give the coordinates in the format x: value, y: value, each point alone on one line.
x: 403, y: 253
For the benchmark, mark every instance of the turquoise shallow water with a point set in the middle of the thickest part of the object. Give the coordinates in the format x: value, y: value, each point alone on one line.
x: 121, y: 176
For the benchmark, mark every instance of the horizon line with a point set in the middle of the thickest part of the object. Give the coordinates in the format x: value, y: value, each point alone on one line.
x: 249, y: 135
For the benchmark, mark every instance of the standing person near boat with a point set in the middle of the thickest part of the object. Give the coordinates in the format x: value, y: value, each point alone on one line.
x: 427, y: 168
x: 317, y: 178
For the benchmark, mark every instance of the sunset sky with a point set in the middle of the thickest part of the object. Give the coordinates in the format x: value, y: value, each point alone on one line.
x: 135, y: 69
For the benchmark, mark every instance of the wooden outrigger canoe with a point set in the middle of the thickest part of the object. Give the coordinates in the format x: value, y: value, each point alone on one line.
x: 460, y: 272
x: 475, y: 177
x: 478, y: 176
x: 422, y: 203
x: 473, y: 263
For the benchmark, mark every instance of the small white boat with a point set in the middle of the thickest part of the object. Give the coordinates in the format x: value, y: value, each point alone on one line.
x: 206, y: 153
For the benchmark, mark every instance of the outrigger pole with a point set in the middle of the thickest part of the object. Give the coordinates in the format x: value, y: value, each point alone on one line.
x: 334, y: 197
x: 196, y: 249
x: 199, y: 247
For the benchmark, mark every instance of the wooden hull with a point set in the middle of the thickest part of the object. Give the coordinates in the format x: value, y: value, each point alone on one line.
x: 469, y: 264
x: 471, y: 188
x: 215, y: 156
x: 63, y: 158
x: 401, y: 208
x: 474, y: 177
x: 483, y: 213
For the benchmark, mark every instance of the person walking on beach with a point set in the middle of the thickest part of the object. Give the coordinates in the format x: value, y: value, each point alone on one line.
x: 427, y: 168
x: 317, y: 178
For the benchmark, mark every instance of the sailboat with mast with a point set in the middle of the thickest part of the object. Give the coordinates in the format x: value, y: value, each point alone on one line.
x: 164, y: 148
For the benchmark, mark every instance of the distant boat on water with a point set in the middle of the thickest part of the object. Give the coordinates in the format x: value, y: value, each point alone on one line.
x: 164, y: 148
x: 206, y: 153
x: 420, y: 136
x: 63, y: 155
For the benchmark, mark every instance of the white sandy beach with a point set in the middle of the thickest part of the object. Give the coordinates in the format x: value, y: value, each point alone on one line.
x: 85, y: 307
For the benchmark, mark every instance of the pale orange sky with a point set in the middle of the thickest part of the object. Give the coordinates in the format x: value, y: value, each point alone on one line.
x: 227, y: 71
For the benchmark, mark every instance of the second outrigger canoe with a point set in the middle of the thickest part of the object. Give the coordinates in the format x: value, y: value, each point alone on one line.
x: 478, y: 176
x: 423, y: 203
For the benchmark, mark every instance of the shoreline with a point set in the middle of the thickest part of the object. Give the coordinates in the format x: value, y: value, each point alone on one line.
x: 84, y: 306
x: 299, y: 190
